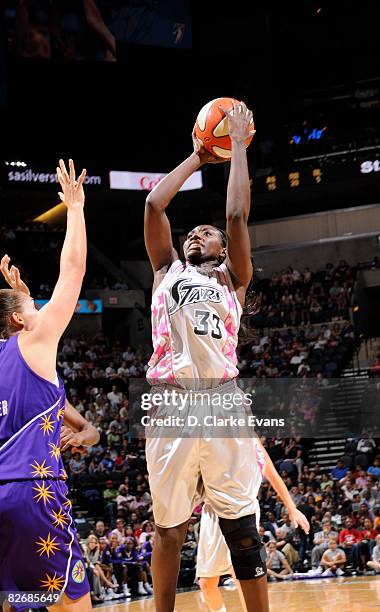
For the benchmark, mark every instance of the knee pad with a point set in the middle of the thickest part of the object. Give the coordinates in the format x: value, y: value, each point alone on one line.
x: 248, y: 554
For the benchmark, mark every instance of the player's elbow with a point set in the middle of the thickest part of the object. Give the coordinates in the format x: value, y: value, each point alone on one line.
x: 237, y: 216
x: 152, y: 203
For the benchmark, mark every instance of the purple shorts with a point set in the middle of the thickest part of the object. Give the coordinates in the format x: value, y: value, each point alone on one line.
x: 39, y: 550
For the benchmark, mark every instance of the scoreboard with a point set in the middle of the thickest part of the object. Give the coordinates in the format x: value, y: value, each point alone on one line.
x: 317, y: 174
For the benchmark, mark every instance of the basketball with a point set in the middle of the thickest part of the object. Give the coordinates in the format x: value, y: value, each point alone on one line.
x: 211, y: 127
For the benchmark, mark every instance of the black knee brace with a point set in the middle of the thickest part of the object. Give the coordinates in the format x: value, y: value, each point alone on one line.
x: 248, y: 561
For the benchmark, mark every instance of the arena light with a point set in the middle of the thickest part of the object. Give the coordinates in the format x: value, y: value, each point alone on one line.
x: 18, y: 164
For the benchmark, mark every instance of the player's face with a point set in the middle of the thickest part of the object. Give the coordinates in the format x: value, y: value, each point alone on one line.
x: 203, y: 243
x: 28, y: 313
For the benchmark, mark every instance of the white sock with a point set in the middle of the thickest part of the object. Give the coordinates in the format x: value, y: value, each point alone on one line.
x: 139, y: 584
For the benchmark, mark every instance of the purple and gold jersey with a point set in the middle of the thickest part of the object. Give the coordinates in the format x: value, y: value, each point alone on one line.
x: 39, y: 551
x: 31, y: 415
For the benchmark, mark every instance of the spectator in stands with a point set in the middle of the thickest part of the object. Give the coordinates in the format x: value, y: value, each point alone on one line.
x: 285, y: 543
x: 114, y: 396
x: 363, y: 549
x: 270, y: 524
x: 147, y: 531
x: 374, y: 470
x: 374, y: 564
x: 77, y: 466
x: 128, y: 355
x: 132, y: 560
x: 348, y: 537
x: 189, y: 548
x: 109, y: 496
x: 321, y: 542
x: 339, y: 471
x: 93, y: 558
x: 333, y: 560
x: 111, y: 563
x: 365, y: 450
x: 119, y: 531
x: 100, y: 530
x: 277, y: 564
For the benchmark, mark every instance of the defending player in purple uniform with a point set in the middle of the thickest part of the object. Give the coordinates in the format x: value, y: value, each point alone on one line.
x: 38, y: 547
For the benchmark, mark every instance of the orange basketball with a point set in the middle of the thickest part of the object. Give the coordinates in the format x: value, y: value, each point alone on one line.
x: 211, y: 127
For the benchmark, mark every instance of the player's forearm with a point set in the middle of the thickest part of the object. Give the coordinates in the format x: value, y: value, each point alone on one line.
x: 238, y: 191
x: 74, y: 249
x: 168, y: 187
x: 277, y: 483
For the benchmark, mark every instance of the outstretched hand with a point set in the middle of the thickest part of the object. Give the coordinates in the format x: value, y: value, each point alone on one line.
x: 204, y: 156
x: 12, y: 275
x: 239, y: 119
x: 72, y: 194
x: 299, y: 520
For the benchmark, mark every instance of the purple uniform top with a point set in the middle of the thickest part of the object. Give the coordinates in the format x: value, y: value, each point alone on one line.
x: 31, y: 416
x: 38, y: 546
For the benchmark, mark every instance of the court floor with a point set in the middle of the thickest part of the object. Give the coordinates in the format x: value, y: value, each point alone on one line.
x: 361, y: 594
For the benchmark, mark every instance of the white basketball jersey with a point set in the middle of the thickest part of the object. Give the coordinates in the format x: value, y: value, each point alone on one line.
x: 195, y: 323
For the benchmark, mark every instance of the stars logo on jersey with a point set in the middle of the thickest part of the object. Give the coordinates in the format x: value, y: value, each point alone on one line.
x: 60, y: 413
x: 52, y: 583
x: 60, y: 518
x: 48, y: 546
x: 43, y: 493
x: 78, y: 572
x: 41, y: 470
x: 46, y: 424
x: 55, y: 452
x: 185, y: 291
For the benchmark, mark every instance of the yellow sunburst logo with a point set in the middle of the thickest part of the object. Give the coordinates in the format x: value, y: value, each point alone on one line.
x: 63, y: 474
x: 46, y: 424
x: 60, y: 518
x: 60, y: 413
x: 41, y: 470
x: 48, y: 546
x: 55, y: 451
x: 43, y: 492
x: 67, y: 504
x: 52, y: 583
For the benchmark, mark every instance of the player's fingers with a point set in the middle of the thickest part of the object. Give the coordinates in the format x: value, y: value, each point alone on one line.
x: 81, y: 178
x: 61, y: 180
x: 16, y: 272
x: 65, y: 176
x: 71, y: 171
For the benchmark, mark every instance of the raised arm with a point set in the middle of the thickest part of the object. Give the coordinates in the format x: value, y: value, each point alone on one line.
x: 157, y: 231
x: 39, y: 345
x: 239, y: 198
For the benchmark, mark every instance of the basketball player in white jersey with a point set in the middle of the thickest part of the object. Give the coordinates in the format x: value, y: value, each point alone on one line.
x: 196, y: 309
x: 214, y: 559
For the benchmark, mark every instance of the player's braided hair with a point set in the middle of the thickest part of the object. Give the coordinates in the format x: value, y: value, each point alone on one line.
x: 252, y: 300
x: 251, y: 307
